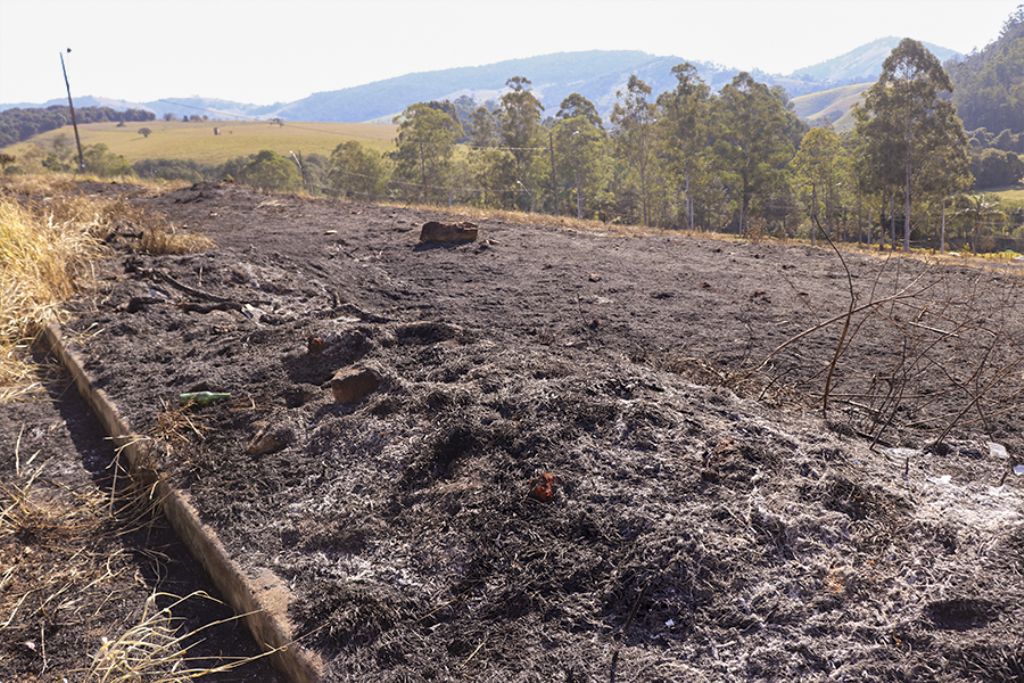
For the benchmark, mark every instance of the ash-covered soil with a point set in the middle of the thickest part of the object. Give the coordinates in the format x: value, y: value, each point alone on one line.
x: 706, y: 524
x: 80, y: 566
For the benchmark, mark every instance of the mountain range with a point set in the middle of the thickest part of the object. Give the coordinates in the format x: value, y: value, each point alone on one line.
x: 597, y: 74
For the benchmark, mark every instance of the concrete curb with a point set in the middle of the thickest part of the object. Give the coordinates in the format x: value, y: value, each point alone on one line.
x: 263, y: 599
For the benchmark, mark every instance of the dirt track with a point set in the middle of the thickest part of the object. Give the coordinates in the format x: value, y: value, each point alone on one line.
x: 694, y: 535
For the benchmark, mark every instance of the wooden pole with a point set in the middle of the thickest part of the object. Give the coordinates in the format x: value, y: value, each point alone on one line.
x: 71, y: 106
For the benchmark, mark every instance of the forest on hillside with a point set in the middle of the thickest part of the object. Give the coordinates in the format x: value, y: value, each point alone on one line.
x: 989, y: 85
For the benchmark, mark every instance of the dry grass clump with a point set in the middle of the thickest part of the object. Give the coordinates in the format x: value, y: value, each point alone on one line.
x: 45, y: 258
x: 160, y: 241
x: 156, y: 649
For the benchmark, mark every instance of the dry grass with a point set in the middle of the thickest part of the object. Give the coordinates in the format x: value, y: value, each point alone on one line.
x: 45, y: 258
x: 160, y: 241
x: 50, y: 235
x: 155, y: 649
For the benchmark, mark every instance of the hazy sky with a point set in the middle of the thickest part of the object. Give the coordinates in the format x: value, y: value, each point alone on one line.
x: 264, y: 51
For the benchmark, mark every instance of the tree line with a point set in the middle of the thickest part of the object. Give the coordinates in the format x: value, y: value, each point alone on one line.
x: 738, y: 160
x: 21, y: 124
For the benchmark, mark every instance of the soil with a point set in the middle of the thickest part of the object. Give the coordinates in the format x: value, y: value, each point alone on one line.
x: 704, y: 522
x: 82, y: 566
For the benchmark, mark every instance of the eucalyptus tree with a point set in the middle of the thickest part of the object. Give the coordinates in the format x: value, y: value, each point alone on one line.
x: 581, y: 146
x: 754, y: 138
x: 423, y: 158
x: 907, y: 120
x: 684, y: 120
x: 633, y: 119
x: 819, y: 172
x: 521, y: 133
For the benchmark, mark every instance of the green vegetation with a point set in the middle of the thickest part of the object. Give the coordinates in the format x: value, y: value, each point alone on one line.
x: 990, y: 84
x: 195, y: 141
x: 426, y: 142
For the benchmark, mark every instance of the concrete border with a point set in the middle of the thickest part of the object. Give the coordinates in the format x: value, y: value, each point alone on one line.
x: 263, y: 599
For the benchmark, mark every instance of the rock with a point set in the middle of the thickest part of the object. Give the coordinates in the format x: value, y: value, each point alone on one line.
x: 997, y: 450
x: 270, y: 440
x: 434, y: 231
x: 351, y: 385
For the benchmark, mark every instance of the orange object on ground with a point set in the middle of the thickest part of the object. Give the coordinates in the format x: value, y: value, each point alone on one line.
x: 544, y: 488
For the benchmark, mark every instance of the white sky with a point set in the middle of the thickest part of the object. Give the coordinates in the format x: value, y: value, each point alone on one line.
x: 264, y: 51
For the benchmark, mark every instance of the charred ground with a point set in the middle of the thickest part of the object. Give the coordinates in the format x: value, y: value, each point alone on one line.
x: 708, y: 523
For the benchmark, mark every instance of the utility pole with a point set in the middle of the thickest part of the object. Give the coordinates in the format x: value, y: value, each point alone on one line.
x: 71, y: 106
x: 554, y: 186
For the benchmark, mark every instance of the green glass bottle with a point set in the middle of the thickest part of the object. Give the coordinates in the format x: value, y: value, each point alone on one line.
x: 202, y: 398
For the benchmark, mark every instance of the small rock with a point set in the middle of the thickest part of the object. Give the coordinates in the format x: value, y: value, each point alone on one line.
x: 330, y: 232
x: 351, y: 385
x: 997, y: 450
x: 270, y: 440
x: 434, y: 231
x: 594, y: 277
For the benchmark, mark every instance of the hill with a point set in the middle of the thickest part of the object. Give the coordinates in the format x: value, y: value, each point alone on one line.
x: 988, y: 86
x: 831, y: 106
x: 597, y: 74
x: 196, y: 141
x: 863, y: 63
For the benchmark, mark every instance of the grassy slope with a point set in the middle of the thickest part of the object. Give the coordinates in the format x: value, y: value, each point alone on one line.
x: 178, y: 140
x: 1011, y: 197
x: 828, y: 103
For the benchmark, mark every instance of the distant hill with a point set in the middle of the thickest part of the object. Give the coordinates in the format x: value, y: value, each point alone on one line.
x: 988, y: 86
x: 179, y: 106
x: 597, y: 74
x: 832, y: 106
x: 862, y: 64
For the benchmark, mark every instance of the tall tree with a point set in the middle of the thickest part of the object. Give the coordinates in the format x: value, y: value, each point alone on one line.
x: 633, y: 118
x: 582, y: 144
x: 755, y: 130
x: 819, y: 170
x: 426, y: 141
x: 684, y: 118
x: 521, y: 132
x: 484, y: 128
x: 906, y: 119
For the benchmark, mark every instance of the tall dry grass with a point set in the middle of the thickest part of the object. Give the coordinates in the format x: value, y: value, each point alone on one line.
x: 50, y: 236
x: 46, y: 256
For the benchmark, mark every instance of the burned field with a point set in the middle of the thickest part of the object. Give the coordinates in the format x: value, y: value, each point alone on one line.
x: 701, y: 518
